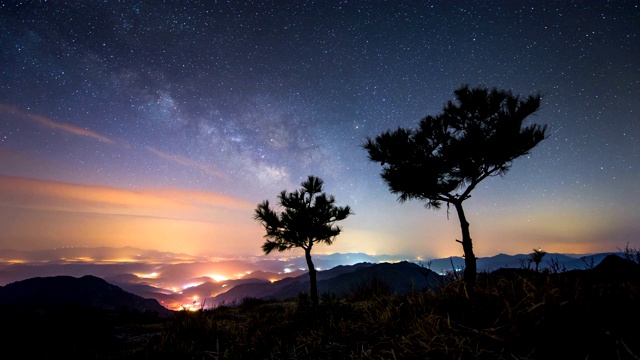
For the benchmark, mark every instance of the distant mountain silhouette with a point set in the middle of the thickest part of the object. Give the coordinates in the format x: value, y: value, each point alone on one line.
x: 401, y: 278
x: 206, y: 289
x: 128, y: 291
x: 88, y: 292
x: 218, y: 287
x: 492, y: 263
x: 290, y: 279
x: 282, y: 289
x: 269, y: 275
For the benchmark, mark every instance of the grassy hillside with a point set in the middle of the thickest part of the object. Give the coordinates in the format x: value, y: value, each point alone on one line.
x: 510, y: 314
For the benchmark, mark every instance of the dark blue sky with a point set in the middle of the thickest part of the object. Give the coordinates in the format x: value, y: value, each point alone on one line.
x: 116, y: 114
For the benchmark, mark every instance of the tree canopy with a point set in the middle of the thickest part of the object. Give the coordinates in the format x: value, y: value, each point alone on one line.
x: 476, y: 136
x: 309, y: 216
x: 536, y: 257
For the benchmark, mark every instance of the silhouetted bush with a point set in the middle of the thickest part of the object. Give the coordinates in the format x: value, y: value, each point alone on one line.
x: 632, y: 254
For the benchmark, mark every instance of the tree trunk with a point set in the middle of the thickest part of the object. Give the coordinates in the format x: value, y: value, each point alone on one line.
x: 470, y: 269
x: 312, y: 279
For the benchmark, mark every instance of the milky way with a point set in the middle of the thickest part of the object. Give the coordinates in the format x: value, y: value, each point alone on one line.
x: 245, y: 99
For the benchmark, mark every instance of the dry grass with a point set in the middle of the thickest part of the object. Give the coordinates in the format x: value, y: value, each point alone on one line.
x: 511, y: 314
x: 514, y: 315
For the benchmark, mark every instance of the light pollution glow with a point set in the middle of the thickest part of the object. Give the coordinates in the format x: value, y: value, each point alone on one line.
x: 60, y: 214
x: 40, y: 214
x: 176, y: 278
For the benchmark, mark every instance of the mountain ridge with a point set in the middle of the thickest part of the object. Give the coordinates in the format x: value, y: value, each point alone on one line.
x: 400, y: 277
x: 127, y: 277
x: 88, y: 292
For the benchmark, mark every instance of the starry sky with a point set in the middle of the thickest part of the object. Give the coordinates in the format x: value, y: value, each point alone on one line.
x: 162, y: 124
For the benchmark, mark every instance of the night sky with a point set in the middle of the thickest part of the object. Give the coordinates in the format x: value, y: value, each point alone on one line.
x: 161, y: 125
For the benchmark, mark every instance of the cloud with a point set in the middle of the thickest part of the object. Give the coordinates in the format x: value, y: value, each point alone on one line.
x: 60, y: 196
x: 45, y: 121
x: 185, y: 161
x: 36, y: 214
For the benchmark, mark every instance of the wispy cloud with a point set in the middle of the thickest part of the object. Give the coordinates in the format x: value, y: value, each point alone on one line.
x: 40, y: 213
x: 52, y: 195
x: 47, y: 122
x: 185, y: 161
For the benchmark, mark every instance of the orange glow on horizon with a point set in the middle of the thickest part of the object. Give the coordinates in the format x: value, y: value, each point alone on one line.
x: 183, y: 221
x: 16, y: 261
x: 79, y: 259
x: 180, y: 221
x: 54, y: 195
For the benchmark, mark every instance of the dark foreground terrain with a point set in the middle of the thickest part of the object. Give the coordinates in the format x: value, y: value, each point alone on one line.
x: 510, y: 314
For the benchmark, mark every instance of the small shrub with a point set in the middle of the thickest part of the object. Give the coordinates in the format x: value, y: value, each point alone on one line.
x: 632, y: 254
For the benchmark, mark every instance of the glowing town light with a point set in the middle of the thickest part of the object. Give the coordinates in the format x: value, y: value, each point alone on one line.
x: 78, y: 259
x: 152, y: 275
x: 287, y: 270
x: 191, y: 285
x: 193, y: 306
x: 16, y: 261
x: 219, y: 277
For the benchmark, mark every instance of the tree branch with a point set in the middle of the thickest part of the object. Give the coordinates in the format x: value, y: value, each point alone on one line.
x: 475, y: 182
